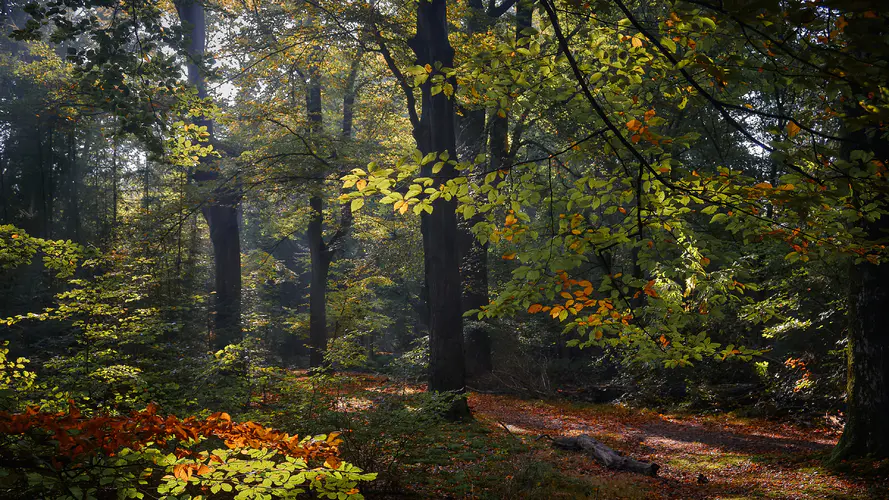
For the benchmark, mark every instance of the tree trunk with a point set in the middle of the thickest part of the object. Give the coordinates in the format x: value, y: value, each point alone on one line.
x: 115, y: 174
x: 321, y: 258
x: 473, y: 254
x: 221, y: 213
x: 3, y: 194
x: 867, y: 395
x: 435, y: 132
x: 319, y: 254
x: 73, y: 180
x: 349, y: 98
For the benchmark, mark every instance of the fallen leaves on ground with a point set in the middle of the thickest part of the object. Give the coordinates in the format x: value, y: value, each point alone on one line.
x: 701, y: 457
x: 738, y: 458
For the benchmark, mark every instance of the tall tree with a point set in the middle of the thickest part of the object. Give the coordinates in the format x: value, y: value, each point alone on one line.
x: 221, y: 211
x: 436, y: 133
x: 867, y: 398
x: 323, y: 252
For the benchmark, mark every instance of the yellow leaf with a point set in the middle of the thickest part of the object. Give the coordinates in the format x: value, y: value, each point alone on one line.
x: 361, y: 184
x: 636, y: 42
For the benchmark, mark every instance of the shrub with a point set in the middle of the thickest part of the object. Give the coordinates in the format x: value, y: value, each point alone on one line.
x: 67, y: 455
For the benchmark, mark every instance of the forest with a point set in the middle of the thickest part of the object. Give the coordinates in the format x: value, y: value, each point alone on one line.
x: 347, y: 249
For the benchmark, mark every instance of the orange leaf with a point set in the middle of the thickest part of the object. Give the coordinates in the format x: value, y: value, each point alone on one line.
x: 634, y: 125
x: 792, y: 129
x: 535, y: 308
x: 509, y: 256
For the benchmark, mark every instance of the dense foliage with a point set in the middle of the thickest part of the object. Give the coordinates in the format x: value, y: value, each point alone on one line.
x: 673, y: 204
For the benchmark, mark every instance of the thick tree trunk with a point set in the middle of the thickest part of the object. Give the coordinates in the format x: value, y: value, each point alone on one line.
x: 605, y: 455
x: 221, y: 214
x: 225, y: 236
x: 867, y: 395
x: 435, y: 132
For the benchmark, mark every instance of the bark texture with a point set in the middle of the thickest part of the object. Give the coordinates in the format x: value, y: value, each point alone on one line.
x: 867, y: 394
x: 435, y: 132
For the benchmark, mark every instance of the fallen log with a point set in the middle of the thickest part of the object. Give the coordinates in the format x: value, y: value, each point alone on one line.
x: 605, y: 455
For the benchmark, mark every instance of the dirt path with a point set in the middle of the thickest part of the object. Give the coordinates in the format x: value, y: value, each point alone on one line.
x: 701, y: 457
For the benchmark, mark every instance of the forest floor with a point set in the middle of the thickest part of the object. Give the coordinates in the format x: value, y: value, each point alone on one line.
x: 501, y: 454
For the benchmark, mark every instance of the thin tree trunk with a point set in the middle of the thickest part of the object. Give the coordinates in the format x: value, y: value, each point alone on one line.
x: 435, y: 132
x: 3, y: 193
x: 74, y: 188
x: 473, y: 253
x: 349, y: 98
x: 321, y: 258
x: 115, y: 173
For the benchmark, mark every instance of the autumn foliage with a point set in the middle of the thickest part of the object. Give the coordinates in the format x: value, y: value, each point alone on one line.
x: 72, y: 445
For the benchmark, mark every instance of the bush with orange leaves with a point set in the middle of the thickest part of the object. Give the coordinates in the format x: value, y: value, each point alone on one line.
x: 69, y: 455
